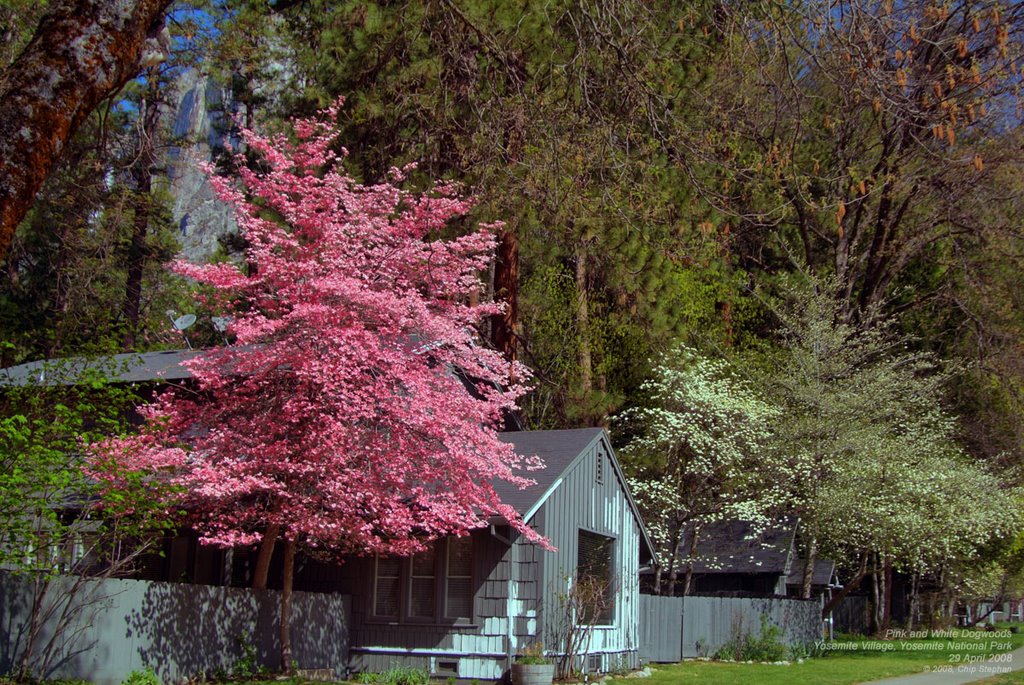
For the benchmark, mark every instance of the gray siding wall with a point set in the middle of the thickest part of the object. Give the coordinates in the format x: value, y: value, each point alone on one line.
x: 179, y: 630
x: 477, y: 650
x: 581, y: 502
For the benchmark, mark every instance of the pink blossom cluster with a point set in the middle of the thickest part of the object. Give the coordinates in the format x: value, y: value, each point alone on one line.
x: 339, y: 413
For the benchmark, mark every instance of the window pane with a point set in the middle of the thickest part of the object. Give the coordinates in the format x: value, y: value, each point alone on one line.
x: 421, y: 600
x: 460, y: 557
x: 595, y: 587
x: 422, y: 592
x: 460, y: 598
x: 459, y: 582
x: 423, y: 563
x: 386, y: 588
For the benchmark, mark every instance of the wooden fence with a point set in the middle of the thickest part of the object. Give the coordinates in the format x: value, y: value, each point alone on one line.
x: 110, y: 628
x: 674, y: 628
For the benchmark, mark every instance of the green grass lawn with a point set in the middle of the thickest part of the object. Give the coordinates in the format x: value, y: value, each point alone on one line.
x: 866, y: 663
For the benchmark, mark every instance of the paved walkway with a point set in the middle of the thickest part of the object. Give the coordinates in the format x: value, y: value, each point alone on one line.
x: 962, y: 673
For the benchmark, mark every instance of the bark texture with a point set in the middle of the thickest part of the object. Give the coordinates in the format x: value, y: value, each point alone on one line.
x: 82, y: 52
x: 138, y: 252
x: 287, y: 667
x: 506, y: 288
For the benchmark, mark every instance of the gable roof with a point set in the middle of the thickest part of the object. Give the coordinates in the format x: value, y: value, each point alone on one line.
x: 736, y: 546
x: 823, y: 571
x: 131, y: 367
x: 560, y: 450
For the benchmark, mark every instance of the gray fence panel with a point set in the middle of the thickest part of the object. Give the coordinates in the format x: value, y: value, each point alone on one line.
x: 661, y: 625
x: 711, y: 622
x: 113, y: 627
x: 674, y: 628
x: 852, y: 615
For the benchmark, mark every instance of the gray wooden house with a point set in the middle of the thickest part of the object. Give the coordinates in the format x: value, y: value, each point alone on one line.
x: 823, y: 578
x: 468, y: 605
x: 466, y: 608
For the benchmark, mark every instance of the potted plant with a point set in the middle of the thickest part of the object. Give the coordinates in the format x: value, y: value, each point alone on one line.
x: 532, y: 667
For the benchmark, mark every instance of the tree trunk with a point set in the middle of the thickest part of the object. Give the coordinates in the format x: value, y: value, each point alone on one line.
x: 915, y: 602
x: 808, y: 578
x: 583, y: 321
x: 286, y: 606
x: 259, y: 575
x: 848, y: 588
x: 688, y: 580
x: 670, y: 585
x: 506, y: 289
x: 143, y: 172
x: 82, y: 52
x: 876, y: 597
x: 886, y: 593
x: 671, y: 554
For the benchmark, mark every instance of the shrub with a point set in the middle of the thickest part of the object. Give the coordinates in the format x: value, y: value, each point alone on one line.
x: 396, y: 675
x: 743, y: 646
x: 144, y: 677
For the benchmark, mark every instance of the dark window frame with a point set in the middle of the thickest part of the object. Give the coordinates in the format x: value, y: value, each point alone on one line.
x: 584, y: 570
x: 442, y: 548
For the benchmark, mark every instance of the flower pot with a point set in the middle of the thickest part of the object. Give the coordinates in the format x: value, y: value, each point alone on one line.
x: 532, y: 674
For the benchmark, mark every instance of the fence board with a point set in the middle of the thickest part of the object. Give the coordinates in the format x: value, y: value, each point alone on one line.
x: 674, y: 628
x: 661, y: 624
x: 178, y: 629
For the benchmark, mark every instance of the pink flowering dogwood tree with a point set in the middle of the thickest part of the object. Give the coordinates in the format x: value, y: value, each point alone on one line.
x: 337, y: 421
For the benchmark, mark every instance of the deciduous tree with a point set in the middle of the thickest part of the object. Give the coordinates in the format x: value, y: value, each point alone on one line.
x: 355, y: 413
x: 703, y: 435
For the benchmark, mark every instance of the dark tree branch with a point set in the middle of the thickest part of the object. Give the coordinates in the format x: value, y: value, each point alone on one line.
x: 83, y: 51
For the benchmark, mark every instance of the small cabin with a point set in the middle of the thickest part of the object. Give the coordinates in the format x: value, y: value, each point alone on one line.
x: 737, y: 557
x: 467, y: 606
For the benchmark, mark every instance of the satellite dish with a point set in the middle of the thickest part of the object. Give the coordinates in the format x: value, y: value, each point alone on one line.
x: 181, y: 323
x: 184, y: 321
x: 221, y: 323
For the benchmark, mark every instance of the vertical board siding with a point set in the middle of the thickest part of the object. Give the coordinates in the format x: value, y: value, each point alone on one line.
x: 581, y: 502
x: 180, y: 630
x: 674, y: 628
x: 853, y: 615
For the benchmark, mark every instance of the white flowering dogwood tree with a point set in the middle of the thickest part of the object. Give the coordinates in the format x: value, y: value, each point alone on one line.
x: 695, y: 453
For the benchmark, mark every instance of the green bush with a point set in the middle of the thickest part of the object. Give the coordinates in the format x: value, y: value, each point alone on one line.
x: 766, y: 647
x: 144, y: 677
x: 396, y: 675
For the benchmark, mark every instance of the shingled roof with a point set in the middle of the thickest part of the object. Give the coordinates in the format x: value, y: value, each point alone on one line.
x: 560, y: 450
x: 823, y: 570
x: 132, y: 367
x: 735, y: 546
x: 557, y: 448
